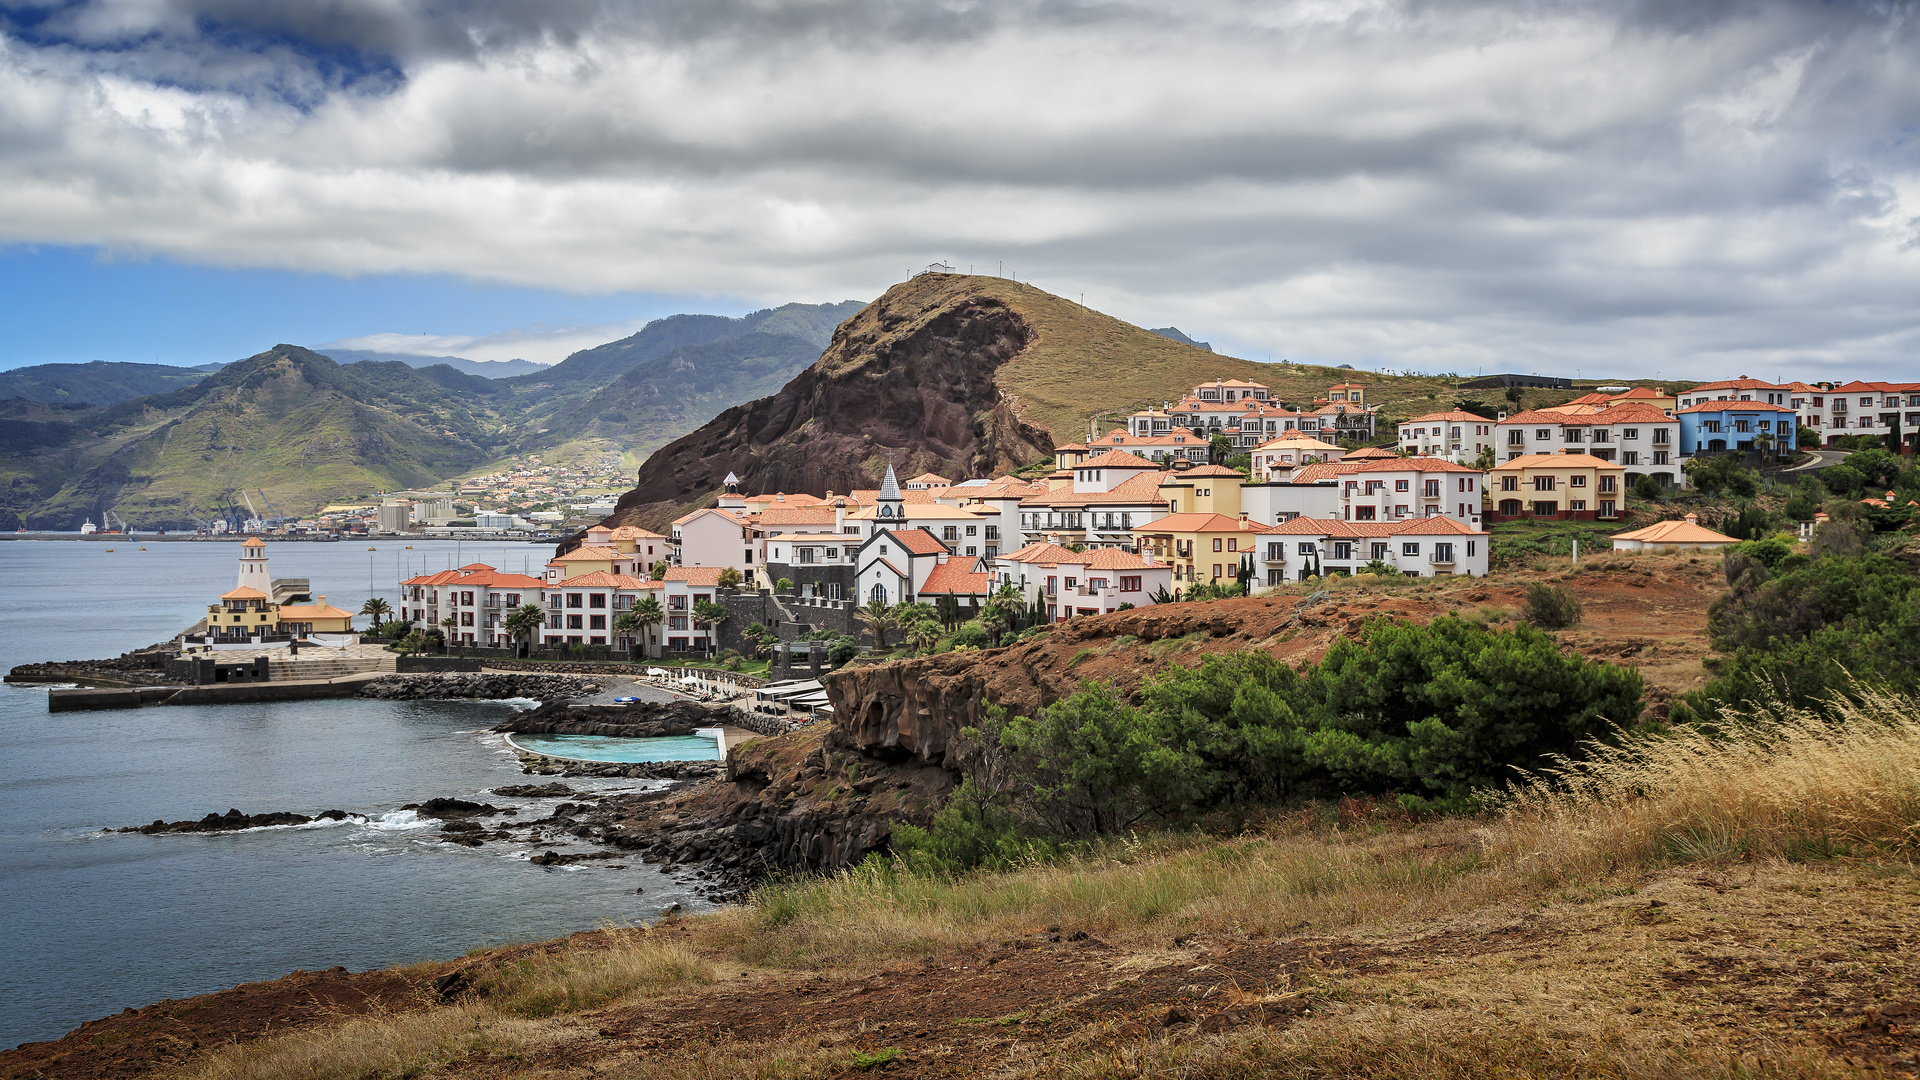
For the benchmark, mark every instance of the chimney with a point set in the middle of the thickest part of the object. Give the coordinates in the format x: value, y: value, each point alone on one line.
x: 1501, y: 419
x: 1692, y: 518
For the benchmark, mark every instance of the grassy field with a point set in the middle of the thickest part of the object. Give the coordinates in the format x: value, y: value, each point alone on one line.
x: 1685, y: 907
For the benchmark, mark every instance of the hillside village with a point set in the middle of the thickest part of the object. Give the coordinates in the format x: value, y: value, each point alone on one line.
x: 1146, y: 512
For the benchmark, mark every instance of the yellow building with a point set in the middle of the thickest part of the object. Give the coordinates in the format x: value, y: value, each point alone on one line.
x: 1206, y: 489
x: 241, y: 615
x: 1201, y: 546
x: 319, y: 617
x: 1552, y: 487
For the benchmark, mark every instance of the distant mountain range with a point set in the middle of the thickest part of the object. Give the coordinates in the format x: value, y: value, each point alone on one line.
x: 486, y: 369
x: 101, y: 382
x: 165, y: 446
x: 1173, y: 333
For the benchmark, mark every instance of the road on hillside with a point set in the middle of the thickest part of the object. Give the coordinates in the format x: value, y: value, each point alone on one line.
x: 1821, y: 459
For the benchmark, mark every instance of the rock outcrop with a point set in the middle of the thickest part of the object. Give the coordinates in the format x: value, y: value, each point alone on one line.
x: 910, y: 379
x: 233, y: 821
x: 644, y: 719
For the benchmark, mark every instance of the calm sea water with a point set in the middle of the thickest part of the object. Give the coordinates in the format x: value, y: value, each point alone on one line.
x: 96, y: 922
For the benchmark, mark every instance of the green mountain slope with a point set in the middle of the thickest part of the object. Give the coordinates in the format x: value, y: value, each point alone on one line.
x: 98, y: 383
x: 289, y: 422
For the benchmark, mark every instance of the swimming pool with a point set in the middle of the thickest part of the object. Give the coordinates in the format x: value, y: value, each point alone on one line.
x: 701, y: 747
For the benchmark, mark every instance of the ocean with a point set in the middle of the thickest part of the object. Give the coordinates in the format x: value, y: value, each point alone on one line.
x: 101, y: 921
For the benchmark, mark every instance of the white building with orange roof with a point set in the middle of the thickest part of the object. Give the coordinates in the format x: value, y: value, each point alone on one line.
x: 1643, y: 438
x: 583, y: 610
x: 962, y: 529
x: 1229, y: 390
x: 894, y: 562
x: 1454, y: 435
x: 1276, y: 459
x: 1164, y: 447
x: 476, y: 596
x: 1862, y: 408
x: 820, y: 565
x: 1394, y: 489
x: 1070, y: 583
x: 684, y: 589
x: 968, y: 580
x: 1106, y: 497
x: 925, y: 482
x: 1438, y: 546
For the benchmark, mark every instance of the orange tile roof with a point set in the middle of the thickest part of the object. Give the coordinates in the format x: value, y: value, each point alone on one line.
x: 798, y: 515
x: 1043, y: 553
x: 1432, y: 525
x: 1117, y: 459
x: 1366, y: 452
x: 243, y: 593
x: 917, y: 541
x: 697, y: 576
x: 308, y: 612
x: 783, y: 499
x: 490, y: 577
x: 1736, y: 406
x: 928, y: 478
x: 1139, y: 489
x: 1209, y: 470
x: 1675, y: 532
x: 1115, y: 559
x: 1414, y: 463
x: 591, y: 554
x: 957, y: 577
x: 1449, y: 417
x: 1323, y: 471
x: 253, y: 541
x: 1201, y: 523
x: 632, y: 532
x: 600, y: 579
x: 1555, y: 461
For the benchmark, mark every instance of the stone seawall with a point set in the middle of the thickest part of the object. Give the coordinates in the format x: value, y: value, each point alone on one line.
x: 640, y: 720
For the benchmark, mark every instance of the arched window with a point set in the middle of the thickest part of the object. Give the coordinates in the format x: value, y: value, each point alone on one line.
x: 879, y: 593
x: 886, y: 511
x: 1509, y: 507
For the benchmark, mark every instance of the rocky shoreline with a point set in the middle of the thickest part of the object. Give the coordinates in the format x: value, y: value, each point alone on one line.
x: 483, y: 685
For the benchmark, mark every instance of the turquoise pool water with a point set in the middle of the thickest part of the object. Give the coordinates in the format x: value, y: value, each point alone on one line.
x: 614, y: 748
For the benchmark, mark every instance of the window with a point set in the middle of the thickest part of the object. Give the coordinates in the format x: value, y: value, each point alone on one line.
x: 806, y: 554
x: 1216, y: 570
x: 1363, y: 513
x: 1410, y: 549
x: 1129, y: 584
x: 747, y: 557
x: 597, y: 600
x: 1546, y: 509
x: 878, y: 593
x: 677, y: 622
x: 1469, y: 549
x: 1343, y: 549
x: 949, y: 533
x: 1379, y: 551
x: 596, y: 622
x: 553, y: 622
x: 553, y: 601
x: 1400, y: 485
x: 1606, y: 508
x: 1443, y: 553
x: 1306, y: 548
x: 1574, y: 434
x: 1216, y: 547
x: 575, y: 599
x: 1466, y: 484
x: 1662, y: 435
x: 466, y: 618
x: 1576, y: 481
x: 1516, y: 437
x: 1629, y: 433
x: 1543, y: 434
x: 1509, y: 483
x: 1543, y: 483
x: 1431, y: 489
x: 1233, y: 543
x: 1577, y: 504
x: 1607, y: 483
x: 513, y: 599
x: 573, y: 622
x: 1274, y: 551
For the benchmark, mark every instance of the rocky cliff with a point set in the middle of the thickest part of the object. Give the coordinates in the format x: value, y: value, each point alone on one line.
x: 910, y: 379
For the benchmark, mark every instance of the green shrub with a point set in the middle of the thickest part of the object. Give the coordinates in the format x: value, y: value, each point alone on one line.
x: 1551, y: 607
x: 1432, y: 713
x: 973, y: 635
x: 1717, y: 474
x: 1648, y: 488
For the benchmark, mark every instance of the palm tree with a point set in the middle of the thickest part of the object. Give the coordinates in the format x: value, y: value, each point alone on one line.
x: 878, y: 620
x: 524, y: 620
x: 378, y: 609
x: 647, y: 611
x: 923, y: 637
x: 708, y: 614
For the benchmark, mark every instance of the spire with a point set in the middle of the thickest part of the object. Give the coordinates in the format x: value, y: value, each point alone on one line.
x: 891, y: 504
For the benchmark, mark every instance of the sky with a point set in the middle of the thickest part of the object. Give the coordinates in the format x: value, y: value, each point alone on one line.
x: 1657, y: 189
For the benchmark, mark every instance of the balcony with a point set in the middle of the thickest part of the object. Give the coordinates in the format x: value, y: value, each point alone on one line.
x: 1438, y: 559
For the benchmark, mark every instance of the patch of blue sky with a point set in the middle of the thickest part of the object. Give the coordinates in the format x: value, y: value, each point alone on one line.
x: 77, y: 304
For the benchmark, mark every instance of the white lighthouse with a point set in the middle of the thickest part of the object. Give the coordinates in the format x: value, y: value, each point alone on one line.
x: 253, y: 566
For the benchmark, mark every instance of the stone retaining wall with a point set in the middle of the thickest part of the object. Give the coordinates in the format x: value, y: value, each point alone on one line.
x: 543, y: 687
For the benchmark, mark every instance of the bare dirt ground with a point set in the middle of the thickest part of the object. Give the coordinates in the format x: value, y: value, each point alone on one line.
x: 1748, y: 961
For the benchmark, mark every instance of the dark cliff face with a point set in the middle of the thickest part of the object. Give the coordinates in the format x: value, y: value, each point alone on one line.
x: 904, y: 380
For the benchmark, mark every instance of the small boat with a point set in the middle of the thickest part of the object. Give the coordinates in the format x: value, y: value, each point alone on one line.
x: 109, y: 551
x: 373, y: 549
x: 628, y: 699
x: 143, y: 549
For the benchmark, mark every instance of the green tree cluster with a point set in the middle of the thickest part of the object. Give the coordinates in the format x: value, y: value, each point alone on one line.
x: 1432, y: 713
x: 1798, y: 628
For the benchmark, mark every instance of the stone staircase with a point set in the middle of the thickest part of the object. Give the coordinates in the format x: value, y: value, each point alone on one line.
x: 328, y: 668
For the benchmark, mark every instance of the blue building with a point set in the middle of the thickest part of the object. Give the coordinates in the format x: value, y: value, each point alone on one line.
x: 1713, y: 427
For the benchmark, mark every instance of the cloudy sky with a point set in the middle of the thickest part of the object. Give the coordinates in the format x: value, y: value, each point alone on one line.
x: 1664, y: 188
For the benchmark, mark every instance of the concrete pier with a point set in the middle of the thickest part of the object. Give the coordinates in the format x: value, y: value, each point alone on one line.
x: 215, y: 694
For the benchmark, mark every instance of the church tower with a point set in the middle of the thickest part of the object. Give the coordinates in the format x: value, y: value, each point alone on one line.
x: 253, y: 566
x: 891, y: 506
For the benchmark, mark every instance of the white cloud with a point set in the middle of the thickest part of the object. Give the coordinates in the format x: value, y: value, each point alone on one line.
x: 1526, y: 185
x: 540, y: 344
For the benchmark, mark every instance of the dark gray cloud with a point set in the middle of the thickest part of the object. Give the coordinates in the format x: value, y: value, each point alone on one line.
x: 1628, y: 188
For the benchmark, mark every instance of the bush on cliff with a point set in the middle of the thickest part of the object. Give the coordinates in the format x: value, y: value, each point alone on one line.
x: 1433, y: 713
x: 1803, y: 629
